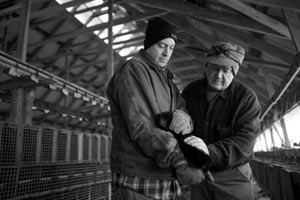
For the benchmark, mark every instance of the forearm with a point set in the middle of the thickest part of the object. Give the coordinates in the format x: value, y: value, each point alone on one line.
x: 231, y: 152
x: 159, y: 145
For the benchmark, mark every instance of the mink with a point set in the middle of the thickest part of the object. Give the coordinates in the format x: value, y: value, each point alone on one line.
x: 195, y: 157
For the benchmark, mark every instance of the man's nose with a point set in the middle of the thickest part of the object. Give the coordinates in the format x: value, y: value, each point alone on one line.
x: 220, y: 73
x: 166, y: 51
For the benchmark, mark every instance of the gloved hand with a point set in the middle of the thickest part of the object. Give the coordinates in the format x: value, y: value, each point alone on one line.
x: 181, y: 123
x: 197, y: 143
x: 188, y: 175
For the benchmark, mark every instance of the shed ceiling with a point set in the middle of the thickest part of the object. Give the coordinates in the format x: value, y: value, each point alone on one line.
x: 69, y: 40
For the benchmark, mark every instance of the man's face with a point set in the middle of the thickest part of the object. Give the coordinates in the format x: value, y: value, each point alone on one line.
x: 219, y: 77
x: 162, y: 51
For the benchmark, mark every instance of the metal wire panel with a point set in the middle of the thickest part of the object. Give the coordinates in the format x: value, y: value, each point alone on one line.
x: 48, y: 163
x: 8, y: 146
x: 47, y: 140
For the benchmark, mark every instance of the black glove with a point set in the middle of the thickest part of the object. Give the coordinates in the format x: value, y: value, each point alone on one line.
x: 189, y: 175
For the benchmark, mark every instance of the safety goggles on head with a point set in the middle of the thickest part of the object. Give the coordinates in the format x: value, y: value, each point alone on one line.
x: 218, y: 50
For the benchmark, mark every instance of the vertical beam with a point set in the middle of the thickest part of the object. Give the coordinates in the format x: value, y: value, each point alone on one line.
x: 67, y: 78
x: 38, y: 149
x: 281, y: 139
x: 110, y: 65
x: 21, y: 108
x: 54, y: 145
x: 29, y: 94
x: 260, y: 142
x: 15, y: 115
x: 19, y: 148
x: 4, y: 40
x: 285, y: 134
x: 264, y: 134
x: 68, y: 147
x: 272, y: 137
x: 110, y: 59
x: 23, y: 31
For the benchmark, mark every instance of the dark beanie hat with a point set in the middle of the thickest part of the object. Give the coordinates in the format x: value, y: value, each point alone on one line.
x: 157, y: 30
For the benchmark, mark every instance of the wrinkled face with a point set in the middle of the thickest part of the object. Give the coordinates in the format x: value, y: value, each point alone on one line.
x: 162, y: 51
x: 219, y: 77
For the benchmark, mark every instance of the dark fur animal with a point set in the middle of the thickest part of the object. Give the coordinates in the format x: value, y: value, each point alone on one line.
x: 197, y: 158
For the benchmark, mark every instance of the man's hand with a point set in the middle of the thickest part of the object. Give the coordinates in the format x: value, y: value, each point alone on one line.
x: 189, y: 175
x: 197, y: 143
x: 181, y: 123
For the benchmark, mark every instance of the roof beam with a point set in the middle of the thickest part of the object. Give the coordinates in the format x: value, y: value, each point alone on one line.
x: 293, y: 5
x: 269, y: 64
x: 90, y: 29
x: 233, y: 20
x: 247, y: 39
x: 17, y: 5
x: 257, y: 16
x: 293, y: 22
x: 224, y: 32
x: 46, y: 12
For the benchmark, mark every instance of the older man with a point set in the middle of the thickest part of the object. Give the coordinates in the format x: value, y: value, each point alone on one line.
x: 226, y: 123
x: 146, y: 161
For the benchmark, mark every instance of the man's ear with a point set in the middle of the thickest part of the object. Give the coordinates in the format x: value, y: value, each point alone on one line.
x: 205, y: 69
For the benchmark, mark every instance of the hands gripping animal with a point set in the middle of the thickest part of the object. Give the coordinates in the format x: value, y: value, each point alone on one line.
x: 196, y: 158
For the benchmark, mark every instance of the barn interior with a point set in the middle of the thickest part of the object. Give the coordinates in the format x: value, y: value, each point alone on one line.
x: 57, y: 56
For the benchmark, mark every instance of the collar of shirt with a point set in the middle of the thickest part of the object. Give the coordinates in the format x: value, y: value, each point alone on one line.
x: 143, y: 54
x: 223, y: 94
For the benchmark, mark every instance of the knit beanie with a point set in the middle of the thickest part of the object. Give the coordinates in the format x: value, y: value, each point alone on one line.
x: 157, y: 30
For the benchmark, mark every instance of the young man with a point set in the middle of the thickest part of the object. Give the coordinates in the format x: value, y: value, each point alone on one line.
x: 146, y: 161
x: 226, y: 123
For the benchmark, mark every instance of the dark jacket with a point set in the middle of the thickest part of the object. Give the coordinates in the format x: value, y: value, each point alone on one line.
x: 137, y: 92
x: 229, y: 125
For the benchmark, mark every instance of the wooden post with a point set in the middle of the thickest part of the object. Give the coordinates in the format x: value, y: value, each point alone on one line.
x: 28, y: 99
x: 39, y: 145
x: 67, y: 78
x: 16, y: 106
x: 285, y: 134
x: 4, y: 46
x: 264, y: 134
x: 110, y: 54
x: 23, y: 31
x: 22, y: 101
x: 272, y: 137
x: 54, y: 146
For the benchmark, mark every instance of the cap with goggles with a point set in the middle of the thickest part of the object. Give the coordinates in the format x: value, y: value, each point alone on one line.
x: 226, y: 54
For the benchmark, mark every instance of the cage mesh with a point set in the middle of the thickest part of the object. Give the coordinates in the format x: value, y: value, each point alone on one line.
x: 47, y: 163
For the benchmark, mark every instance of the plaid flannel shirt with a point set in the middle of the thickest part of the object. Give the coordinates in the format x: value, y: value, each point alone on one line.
x: 156, y: 189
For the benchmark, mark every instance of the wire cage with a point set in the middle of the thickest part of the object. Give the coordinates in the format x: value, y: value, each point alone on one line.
x: 49, y: 163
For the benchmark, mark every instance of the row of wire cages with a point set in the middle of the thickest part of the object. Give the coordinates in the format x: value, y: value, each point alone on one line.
x: 49, y: 163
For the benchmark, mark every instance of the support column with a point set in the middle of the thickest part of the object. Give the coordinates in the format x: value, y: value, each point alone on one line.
x: 110, y: 59
x: 29, y: 94
x: 285, y: 134
x: 272, y: 137
x: 110, y: 54
x: 16, y: 106
x: 22, y: 101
